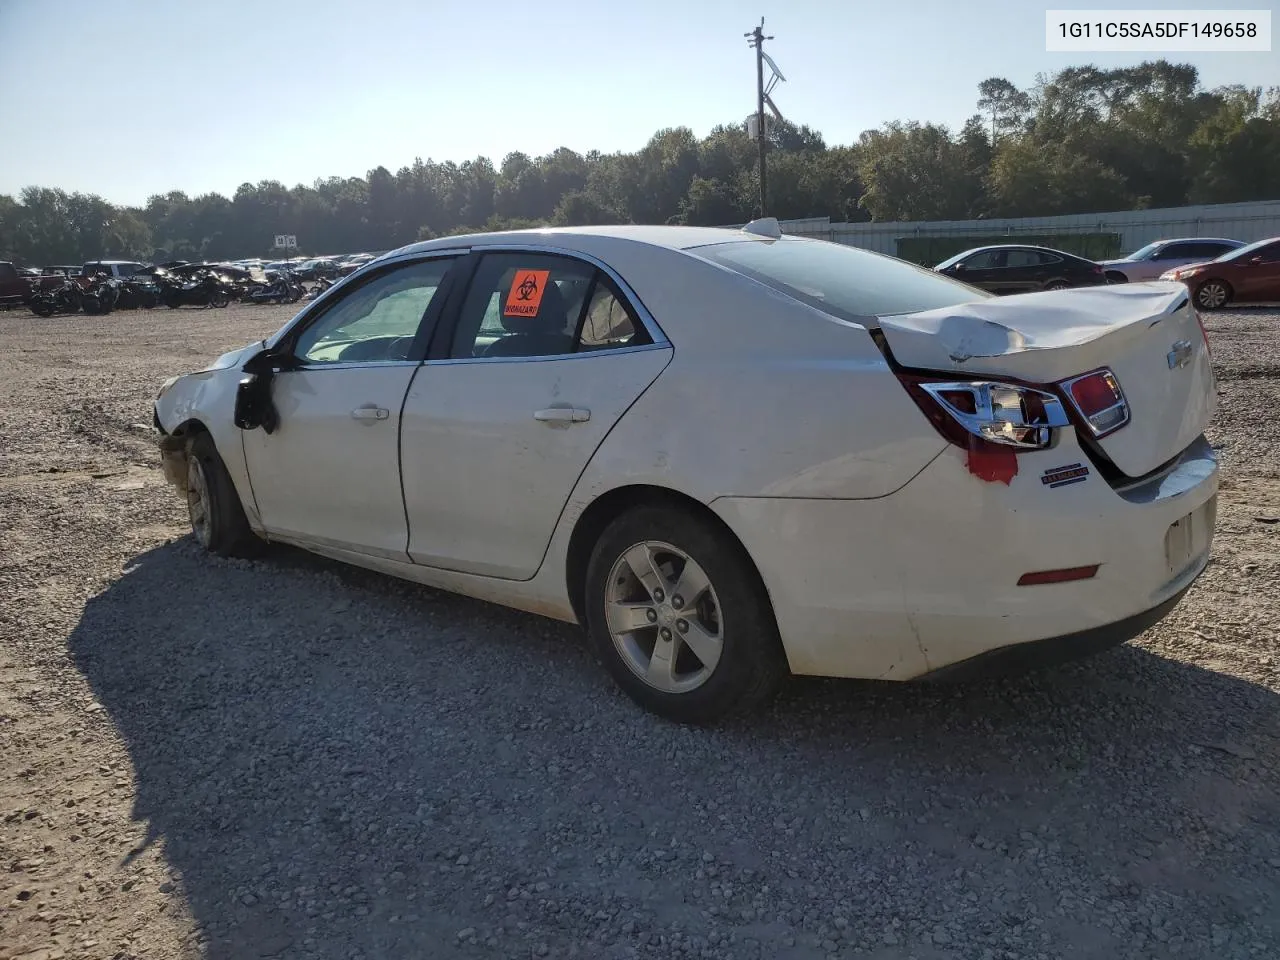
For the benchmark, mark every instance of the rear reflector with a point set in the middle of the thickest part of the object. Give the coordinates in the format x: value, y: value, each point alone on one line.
x: 1057, y: 576
x: 1100, y: 401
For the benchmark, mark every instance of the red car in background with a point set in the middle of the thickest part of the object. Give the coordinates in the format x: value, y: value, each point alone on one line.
x: 1246, y: 275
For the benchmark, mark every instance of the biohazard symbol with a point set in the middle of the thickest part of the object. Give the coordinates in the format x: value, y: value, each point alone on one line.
x: 525, y: 295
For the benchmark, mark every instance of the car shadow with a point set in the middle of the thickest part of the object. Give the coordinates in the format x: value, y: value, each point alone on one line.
x: 340, y: 764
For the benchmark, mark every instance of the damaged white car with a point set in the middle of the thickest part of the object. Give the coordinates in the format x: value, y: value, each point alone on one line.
x: 728, y: 454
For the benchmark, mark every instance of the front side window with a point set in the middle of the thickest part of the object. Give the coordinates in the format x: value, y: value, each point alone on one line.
x: 841, y: 280
x: 540, y: 305
x: 1270, y: 254
x: 377, y: 321
x: 986, y: 260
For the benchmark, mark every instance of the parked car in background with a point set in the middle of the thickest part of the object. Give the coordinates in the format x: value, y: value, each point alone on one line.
x: 60, y: 270
x: 645, y: 383
x: 16, y: 287
x: 115, y: 269
x: 1163, y: 255
x: 1246, y: 274
x: 1015, y: 268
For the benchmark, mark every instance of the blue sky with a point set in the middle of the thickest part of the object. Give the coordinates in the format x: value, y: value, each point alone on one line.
x: 130, y: 98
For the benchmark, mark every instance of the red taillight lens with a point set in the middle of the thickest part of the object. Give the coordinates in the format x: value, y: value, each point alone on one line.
x: 1100, y: 401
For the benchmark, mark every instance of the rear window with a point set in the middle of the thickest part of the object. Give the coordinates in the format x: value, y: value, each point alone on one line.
x: 841, y: 280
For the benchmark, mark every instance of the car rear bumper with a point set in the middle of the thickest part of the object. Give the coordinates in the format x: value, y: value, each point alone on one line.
x: 1020, y: 657
x: 906, y: 585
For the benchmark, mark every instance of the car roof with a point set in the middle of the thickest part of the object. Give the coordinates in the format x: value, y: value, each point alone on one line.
x: 671, y: 237
x: 1017, y: 246
x: 1239, y: 243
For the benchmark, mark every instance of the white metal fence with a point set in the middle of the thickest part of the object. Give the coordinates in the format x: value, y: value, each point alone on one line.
x: 1240, y: 221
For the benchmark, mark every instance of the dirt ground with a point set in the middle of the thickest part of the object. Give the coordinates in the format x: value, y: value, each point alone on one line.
x: 287, y: 758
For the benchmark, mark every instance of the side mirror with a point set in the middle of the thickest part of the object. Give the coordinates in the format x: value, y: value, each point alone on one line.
x: 959, y: 268
x: 253, y: 406
x: 1256, y: 260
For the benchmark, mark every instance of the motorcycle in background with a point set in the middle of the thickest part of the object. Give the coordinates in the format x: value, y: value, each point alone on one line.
x: 321, y: 285
x: 282, y: 287
x: 100, y: 294
x: 203, y: 289
x: 64, y: 298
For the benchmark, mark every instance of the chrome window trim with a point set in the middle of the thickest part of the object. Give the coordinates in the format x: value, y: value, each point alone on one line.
x: 352, y: 365
x: 584, y: 355
x: 304, y: 315
x: 633, y: 300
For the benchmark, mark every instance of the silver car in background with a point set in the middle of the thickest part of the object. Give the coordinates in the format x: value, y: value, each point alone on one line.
x: 1155, y: 258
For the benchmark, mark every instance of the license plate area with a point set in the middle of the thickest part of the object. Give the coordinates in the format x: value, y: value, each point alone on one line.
x: 1190, y: 536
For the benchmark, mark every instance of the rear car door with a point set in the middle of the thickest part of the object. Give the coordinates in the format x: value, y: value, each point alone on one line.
x: 329, y: 474
x: 543, y: 354
x: 1027, y: 270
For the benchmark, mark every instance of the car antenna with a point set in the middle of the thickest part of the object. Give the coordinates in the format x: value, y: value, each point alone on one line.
x: 765, y: 227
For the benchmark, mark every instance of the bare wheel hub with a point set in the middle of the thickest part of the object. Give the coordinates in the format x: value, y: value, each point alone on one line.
x: 198, y: 505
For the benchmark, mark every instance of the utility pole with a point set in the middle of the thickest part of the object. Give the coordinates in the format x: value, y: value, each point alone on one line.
x: 756, y: 38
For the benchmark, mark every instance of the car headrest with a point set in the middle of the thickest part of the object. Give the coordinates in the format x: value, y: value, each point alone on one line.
x: 552, y: 315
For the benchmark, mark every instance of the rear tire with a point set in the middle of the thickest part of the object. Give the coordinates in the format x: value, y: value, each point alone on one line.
x: 213, y: 506
x: 1057, y: 285
x: 1213, y: 295
x: 644, y: 631
x: 1116, y: 277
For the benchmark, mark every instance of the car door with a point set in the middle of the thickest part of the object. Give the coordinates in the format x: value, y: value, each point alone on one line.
x: 981, y: 269
x: 1018, y: 271
x: 544, y: 353
x: 329, y: 474
x: 1025, y: 270
x: 1257, y: 276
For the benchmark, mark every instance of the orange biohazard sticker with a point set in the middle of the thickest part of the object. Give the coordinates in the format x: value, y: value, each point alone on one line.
x: 526, y: 291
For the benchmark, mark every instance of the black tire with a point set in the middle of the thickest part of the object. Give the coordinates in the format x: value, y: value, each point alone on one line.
x: 751, y: 664
x: 227, y: 533
x: 42, y: 308
x: 1057, y: 285
x: 1114, y: 276
x: 1213, y: 294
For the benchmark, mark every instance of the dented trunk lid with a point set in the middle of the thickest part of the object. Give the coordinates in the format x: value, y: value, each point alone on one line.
x: 1147, y: 334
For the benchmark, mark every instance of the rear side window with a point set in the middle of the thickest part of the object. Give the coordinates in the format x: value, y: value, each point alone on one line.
x: 843, y: 281
x: 984, y: 260
x: 541, y: 305
x: 1023, y: 258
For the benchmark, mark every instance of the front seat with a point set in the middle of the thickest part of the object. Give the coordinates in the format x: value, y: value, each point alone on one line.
x: 541, y: 335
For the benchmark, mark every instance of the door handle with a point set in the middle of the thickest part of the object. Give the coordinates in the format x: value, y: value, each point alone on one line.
x: 562, y: 415
x: 370, y: 413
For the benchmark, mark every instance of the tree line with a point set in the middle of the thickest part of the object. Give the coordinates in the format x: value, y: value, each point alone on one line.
x: 1082, y: 140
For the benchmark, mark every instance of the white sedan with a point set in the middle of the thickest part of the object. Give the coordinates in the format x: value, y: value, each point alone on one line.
x: 728, y: 454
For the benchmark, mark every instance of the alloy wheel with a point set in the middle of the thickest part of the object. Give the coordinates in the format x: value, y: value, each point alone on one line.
x: 664, y: 617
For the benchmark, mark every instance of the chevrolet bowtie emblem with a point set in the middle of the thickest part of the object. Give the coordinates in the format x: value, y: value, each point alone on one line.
x: 1180, y: 355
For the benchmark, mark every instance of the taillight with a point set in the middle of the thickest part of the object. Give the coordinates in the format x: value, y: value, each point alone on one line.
x: 1100, y: 400
x: 970, y: 413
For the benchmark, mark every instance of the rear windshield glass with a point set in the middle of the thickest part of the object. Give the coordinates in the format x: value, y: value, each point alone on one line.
x: 841, y: 280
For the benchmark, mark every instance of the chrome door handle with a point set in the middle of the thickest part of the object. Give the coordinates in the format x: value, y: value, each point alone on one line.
x: 370, y: 413
x: 562, y: 415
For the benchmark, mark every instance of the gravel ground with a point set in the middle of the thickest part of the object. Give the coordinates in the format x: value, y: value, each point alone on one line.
x: 288, y: 758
